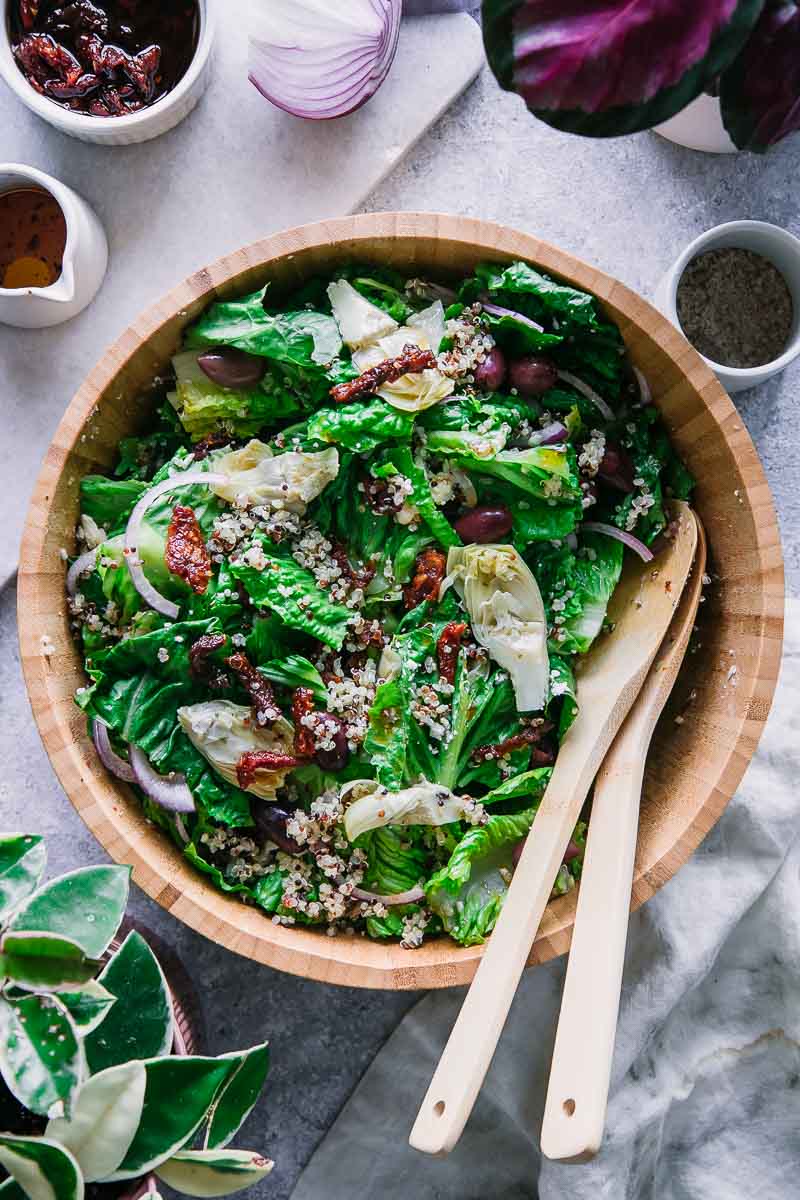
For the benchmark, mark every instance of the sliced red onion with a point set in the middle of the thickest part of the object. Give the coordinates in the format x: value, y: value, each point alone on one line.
x: 167, y: 791
x: 550, y: 435
x: 82, y: 566
x: 413, y: 897
x: 621, y: 535
x: 589, y: 392
x: 144, y: 587
x: 321, y: 60
x: 181, y: 828
x: 108, y: 755
x: 431, y: 291
x: 645, y: 395
x: 572, y: 541
x: 494, y: 310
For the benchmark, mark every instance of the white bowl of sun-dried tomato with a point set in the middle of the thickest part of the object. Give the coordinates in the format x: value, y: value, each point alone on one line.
x: 108, y: 72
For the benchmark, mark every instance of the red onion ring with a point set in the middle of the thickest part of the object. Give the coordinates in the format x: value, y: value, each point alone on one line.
x: 82, y: 566
x: 167, y: 791
x: 412, y: 897
x: 589, y: 392
x: 645, y: 395
x: 108, y: 755
x: 550, y: 435
x: 144, y: 587
x: 299, y: 73
x: 494, y: 310
x: 620, y: 535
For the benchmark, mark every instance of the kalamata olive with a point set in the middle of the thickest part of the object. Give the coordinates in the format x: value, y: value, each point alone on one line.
x: 335, y: 758
x: 616, y: 469
x: 572, y: 852
x: 484, y: 524
x: 490, y: 375
x: 516, y: 853
x: 531, y: 375
x: 232, y: 368
x: 270, y: 822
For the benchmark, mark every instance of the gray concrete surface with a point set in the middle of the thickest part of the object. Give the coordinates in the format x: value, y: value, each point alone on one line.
x: 629, y: 205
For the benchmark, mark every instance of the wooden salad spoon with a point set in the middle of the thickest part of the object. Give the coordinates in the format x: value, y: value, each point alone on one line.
x: 609, y: 680
x: 577, y: 1097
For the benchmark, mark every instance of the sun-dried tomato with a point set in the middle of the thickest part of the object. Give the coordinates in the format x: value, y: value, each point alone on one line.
x: 262, y: 760
x: 411, y: 362
x: 302, y: 706
x: 258, y: 688
x: 359, y: 579
x: 41, y: 56
x: 28, y: 11
x: 186, y: 554
x: 199, y: 666
x: 529, y: 735
x: 210, y: 443
x: 447, y: 649
x: 429, y: 571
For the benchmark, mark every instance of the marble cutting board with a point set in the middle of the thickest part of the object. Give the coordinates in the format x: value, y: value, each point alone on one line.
x: 235, y: 170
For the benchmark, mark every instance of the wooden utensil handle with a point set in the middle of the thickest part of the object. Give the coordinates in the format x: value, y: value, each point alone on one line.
x: 468, y: 1054
x: 577, y: 1096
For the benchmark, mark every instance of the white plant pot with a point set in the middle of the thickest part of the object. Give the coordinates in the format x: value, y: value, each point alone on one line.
x: 699, y: 127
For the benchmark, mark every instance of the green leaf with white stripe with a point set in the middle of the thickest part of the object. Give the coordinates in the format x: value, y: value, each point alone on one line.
x: 104, y: 1120
x: 43, y: 1169
x: 140, y: 1025
x: 22, y: 863
x: 237, y: 1099
x: 87, y: 1006
x: 10, y: 1190
x: 41, y: 961
x: 86, y: 906
x: 179, y: 1093
x: 213, y: 1172
x: 40, y: 1057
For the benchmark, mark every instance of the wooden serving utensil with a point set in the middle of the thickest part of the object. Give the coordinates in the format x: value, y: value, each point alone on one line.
x: 577, y: 1096
x: 609, y: 680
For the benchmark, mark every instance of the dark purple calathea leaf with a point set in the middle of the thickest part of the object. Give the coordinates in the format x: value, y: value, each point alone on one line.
x: 608, y: 67
x: 760, y: 93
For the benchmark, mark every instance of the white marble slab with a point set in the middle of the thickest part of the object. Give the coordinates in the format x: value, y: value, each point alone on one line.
x: 236, y: 170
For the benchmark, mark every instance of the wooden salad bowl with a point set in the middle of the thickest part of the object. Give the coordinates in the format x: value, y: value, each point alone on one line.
x: 705, y: 739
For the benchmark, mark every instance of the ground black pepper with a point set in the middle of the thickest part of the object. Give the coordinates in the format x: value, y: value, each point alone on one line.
x: 735, y: 307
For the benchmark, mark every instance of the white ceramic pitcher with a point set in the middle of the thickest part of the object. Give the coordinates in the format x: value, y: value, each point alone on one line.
x: 84, y: 264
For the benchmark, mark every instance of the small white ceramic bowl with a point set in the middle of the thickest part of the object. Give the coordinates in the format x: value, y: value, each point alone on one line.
x: 782, y: 249
x: 151, y: 122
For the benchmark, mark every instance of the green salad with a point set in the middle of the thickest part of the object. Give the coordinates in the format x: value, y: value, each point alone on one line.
x: 331, y: 601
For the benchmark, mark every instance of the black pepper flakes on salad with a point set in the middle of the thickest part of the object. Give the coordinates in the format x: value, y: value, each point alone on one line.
x: 330, y: 611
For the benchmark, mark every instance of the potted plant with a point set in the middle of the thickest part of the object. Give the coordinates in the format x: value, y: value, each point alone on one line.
x: 96, y: 1089
x: 602, y: 68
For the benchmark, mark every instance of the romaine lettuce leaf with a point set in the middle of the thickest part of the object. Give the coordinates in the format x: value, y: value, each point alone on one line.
x: 546, y: 472
x: 203, y: 407
x: 576, y: 588
x: 295, y: 671
x: 468, y: 893
x: 402, y: 463
x: 110, y: 502
x: 303, y: 338
x: 360, y: 427
x: 292, y: 592
x: 396, y: 863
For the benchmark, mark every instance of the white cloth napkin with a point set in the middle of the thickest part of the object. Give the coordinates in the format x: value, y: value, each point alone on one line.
x: 705, y: 1101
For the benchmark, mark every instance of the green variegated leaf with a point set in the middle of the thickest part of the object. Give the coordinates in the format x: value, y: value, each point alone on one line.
x: 10, y: 1190
x: 86, y: 905
x: 40, y: 1058
x: 43, y: 961
x: 43, y: 1169
x: 140, y: 1023
x: 179, y: 1093
x: 22, y: 861
x: 236, y: 1100
x: 87, y: 1005
x: 104, y: 1120
x: 213, y: 1172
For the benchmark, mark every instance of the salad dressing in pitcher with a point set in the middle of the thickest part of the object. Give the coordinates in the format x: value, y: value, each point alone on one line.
x: 33, y: 237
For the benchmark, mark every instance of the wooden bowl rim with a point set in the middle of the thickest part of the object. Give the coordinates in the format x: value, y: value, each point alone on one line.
x: 108, y: 808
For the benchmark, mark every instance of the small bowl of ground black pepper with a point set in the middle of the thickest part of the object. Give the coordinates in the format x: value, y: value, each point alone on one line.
x: 107, y: 71
x: 735, y: 295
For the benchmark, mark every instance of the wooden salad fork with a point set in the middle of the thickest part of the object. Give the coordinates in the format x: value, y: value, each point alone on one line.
x: 609, y: 680
x: 577, y: 1096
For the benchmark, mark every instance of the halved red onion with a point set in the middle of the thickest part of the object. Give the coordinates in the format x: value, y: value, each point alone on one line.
x: 550, y: 435
x: 82, y: 566
x: 495, y: 310
x: 108, y: 755
x: 319, y: 60
x: 412, y: 897
x: 167, y: 791
x: 589, y: 392
x: 645, y: 395
x: 144, y: 587
x: 621, y: 535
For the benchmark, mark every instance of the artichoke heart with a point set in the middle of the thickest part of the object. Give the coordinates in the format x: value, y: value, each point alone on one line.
x: 223, y: 731
x: 506, y: 609
x: 423, y: 804
x: 288, y: 481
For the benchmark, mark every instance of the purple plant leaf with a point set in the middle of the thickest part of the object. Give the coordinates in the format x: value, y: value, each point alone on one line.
x: 760, y: 93
x: 608, y: 67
